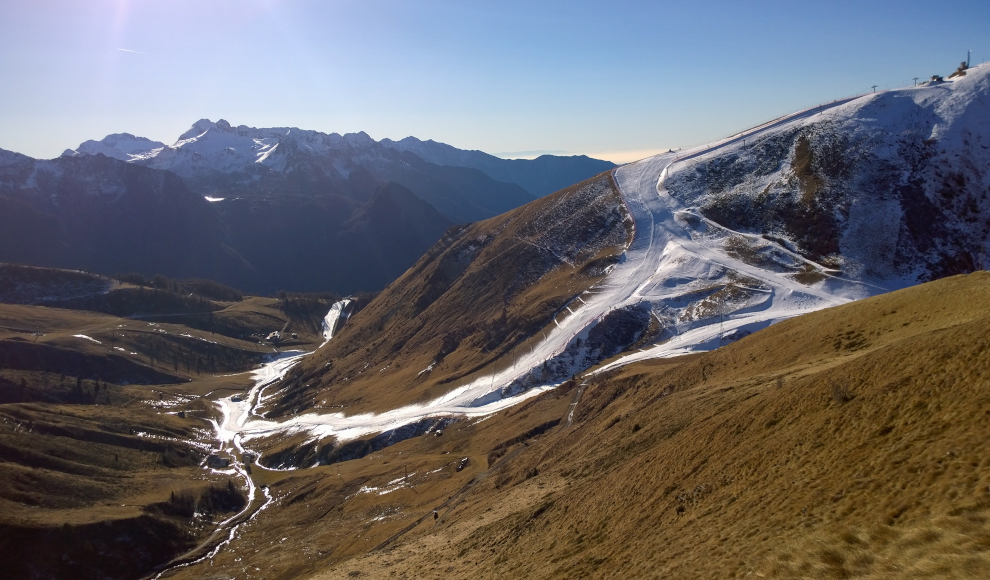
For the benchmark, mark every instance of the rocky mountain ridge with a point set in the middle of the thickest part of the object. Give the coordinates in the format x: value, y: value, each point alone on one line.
x: 221, y: 160
x: 260, y: 209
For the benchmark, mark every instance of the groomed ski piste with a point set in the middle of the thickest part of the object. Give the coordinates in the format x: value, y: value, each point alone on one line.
x: 335, y: 318
x: 675, y: 254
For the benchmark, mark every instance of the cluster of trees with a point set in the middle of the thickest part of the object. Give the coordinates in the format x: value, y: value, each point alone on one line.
x: 92, y: 394
x: 199, y: 286
x: 210, y: 500
x: 306, y: 304
x: 207, y: 357
x: 29, y: 285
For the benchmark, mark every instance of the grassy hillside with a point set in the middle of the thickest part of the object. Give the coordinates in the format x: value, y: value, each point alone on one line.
x: 105, y: 419
x: 471, y: 301
x: 844, y: 443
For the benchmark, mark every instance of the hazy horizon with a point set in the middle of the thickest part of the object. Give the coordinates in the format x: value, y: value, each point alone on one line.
x: 616, y: 81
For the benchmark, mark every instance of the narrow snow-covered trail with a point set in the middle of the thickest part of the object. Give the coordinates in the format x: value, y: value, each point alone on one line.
x: 662, y: 256
x: 332, y: 321
x: 484, y: 395
x: 673, y: 256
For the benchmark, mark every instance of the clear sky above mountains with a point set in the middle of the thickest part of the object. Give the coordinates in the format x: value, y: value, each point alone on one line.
x: 616, y: 80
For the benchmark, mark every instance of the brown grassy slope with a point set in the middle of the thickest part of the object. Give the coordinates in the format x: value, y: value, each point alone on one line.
x: 197, y: 303
x: 323, y: 515
x: 155, y: 350
x: 91, y: 448
x: 476, y: 295
x: 90, y: 491
x: 81, y: 463
x: 85, y: 488
x: 849, y: 442
x: 84, y: 403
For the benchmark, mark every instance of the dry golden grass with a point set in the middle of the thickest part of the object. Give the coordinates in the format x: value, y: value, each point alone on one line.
x: 846, y: 443
x: 331, y: 513
x: 87, y: 447
x: 211, y: 360
x: 83, y: 463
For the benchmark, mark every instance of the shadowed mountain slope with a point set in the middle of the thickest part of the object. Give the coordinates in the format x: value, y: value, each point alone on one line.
x: 477, y: 295
x: 540, y: 176
x: 104, y: 215
x: 330, y: 242
x: 219, y: 160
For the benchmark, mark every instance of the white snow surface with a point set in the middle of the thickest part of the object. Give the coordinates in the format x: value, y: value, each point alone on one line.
x: 218, y: 146
x: 122, y: 146
x: 661, y: 252
x: 332, y: 321
x: 241, y: 423
x: 675, y: 263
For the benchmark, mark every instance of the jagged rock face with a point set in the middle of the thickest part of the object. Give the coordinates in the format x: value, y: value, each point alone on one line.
x: 891, y: 186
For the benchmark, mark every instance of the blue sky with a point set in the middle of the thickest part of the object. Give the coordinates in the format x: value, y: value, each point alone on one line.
x: 613, y: 79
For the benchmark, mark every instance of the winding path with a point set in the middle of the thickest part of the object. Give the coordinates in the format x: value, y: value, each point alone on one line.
x: 660, y: 259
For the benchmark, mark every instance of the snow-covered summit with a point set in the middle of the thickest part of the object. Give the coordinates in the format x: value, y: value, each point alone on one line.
x: 220, y: 160
x: 229, y: 148
x: 219, y: 147
x: 202, y: 126
x: 123, y: 146
x: 890, y: 185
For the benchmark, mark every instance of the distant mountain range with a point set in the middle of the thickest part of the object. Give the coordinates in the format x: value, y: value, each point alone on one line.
x: 261, y: 209
x: 220, y: 160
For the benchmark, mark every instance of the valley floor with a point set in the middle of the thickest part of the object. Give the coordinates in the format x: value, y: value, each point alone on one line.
x: 844, y: 443
x: 105, y: 426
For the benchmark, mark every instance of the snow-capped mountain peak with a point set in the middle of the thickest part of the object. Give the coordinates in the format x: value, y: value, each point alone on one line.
x: 123, y: 146
x: 220, y: 160
x: 219, y: 147
x: 884, y: 186
x: 201, y: 127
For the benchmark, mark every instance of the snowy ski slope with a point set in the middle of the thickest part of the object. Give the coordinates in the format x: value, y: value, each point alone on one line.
x: 703, y: 283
